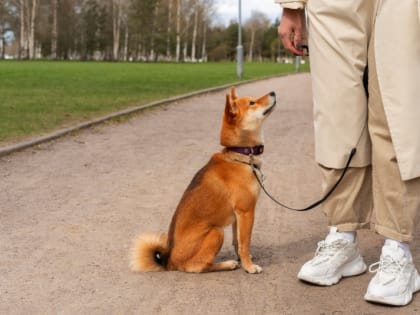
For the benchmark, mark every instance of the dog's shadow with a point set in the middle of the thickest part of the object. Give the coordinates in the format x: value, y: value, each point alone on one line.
x: 294, y: 252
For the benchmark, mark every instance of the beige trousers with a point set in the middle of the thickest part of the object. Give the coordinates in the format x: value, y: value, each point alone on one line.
x: 377, y: 186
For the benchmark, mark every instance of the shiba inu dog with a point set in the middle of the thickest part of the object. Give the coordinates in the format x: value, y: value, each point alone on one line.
x: 224, y: 192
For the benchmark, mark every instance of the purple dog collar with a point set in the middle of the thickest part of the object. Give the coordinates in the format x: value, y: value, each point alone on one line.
x: 257, y: 150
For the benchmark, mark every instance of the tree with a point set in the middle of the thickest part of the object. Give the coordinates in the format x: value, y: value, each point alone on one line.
x: 195, y: 31
x: 119, y: 14
x: 255, y: 27
x: 27, y: 19
x: 178, y: 30
x: 138, y: 30
x: 231, y: 40
x: 32, y: 10
x: 2, y: 32
x: 6, y: 22
x: 142, y: 15
x: 271, y: 43
x: 90, y: 29
x: 207, y: 14
x: 169, y: 30
x: 54, y: 29
x: 70, y: 29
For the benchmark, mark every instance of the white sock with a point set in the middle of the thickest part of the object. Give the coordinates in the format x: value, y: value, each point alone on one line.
x: 350, y: 235
x: 404, y: 246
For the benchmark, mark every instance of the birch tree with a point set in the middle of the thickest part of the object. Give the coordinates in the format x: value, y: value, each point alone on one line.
x: 54, y: 29
x: 178, y: 30
x: 32, y: 18
x: 23, y: 38
x: 3, y: 27
x: 207, y: 12
x: 195, y: 31
x: 255, y: 27
x: 169, y: 30
x: 116, y: 27
x: 27, y: 16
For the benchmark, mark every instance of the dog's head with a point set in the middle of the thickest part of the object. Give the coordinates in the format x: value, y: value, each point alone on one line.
x: 243, y: 118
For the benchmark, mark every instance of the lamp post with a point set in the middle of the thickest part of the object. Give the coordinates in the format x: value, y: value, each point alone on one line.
x: 239, y: 48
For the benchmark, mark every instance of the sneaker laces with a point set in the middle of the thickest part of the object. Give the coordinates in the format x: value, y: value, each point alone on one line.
x: 326, y: 250
x: 388, y: 269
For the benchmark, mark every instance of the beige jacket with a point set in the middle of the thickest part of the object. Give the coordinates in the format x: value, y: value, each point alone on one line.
x: 290, y: 4
x: 400, y: 91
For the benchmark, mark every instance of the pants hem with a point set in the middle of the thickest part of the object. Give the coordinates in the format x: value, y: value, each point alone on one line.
x: 350, y: 227
x: 388, y: 233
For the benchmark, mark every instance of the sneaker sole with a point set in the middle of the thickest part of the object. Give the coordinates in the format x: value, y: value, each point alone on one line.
x: 398, y: 300
x: 353, y: 268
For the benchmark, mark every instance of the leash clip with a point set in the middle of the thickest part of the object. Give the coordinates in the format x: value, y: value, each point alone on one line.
x: 257, y: 172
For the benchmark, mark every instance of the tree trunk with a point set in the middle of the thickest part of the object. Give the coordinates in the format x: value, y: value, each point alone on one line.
x: 126, y: 42
x: 2, y: 43
x: 116, y: 28
x: 153, y: 55
x: 32, y: 30
x: 185, y: 51
x: 251, y: 46
x: 194, y: 35
x: 204, y: 44
x: 178, y: 31
x: 169, y: 30
x: 54, y: 30
x: 22, y: 42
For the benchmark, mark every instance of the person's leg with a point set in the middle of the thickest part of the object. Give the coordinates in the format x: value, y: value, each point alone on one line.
x: 396, y: 202
x: 338, y: 44
x: 338, y: 41
x: 349, y: 208
x: 339, y: 34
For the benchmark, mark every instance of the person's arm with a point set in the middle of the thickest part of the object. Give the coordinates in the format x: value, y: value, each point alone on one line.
x: 292, y: 27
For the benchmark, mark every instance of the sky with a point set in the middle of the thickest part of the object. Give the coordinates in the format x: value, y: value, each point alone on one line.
x: 228, y: 9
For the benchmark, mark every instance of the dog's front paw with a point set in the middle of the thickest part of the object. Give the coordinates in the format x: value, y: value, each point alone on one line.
x: 254, y: 269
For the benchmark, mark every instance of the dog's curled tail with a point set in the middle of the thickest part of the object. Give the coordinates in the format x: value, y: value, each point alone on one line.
x: 149, y: 252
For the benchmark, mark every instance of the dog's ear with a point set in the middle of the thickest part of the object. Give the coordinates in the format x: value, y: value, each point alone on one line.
x: 233, y: 93
x: 231, y: 110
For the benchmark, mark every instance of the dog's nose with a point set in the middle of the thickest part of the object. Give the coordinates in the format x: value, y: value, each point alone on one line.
x: 272, y: 94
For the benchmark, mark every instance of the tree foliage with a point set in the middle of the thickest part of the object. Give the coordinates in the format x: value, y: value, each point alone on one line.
x: 129, y: 30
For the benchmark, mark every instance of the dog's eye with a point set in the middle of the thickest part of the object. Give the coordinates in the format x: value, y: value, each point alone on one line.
x: 251, y: 103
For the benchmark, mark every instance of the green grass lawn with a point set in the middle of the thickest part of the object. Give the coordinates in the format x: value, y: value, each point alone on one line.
x: 38, y: 97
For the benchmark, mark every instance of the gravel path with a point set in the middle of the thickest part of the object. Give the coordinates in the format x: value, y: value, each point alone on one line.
x: 70, y: 208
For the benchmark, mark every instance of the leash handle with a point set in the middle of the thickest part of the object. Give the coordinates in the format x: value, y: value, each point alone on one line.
x: 317, y: 203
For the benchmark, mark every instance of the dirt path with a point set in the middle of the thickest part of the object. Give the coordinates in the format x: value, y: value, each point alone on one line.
x: 70, y: 208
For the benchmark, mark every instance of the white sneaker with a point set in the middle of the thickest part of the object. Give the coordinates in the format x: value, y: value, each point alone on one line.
x: 396, y: 277
x: 335, y: 257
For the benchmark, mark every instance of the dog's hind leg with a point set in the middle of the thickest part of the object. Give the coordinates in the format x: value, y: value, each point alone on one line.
x: 202, y: 261
x: 224, y: 266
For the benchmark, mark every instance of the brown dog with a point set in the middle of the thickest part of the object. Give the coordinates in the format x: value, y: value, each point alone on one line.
x: 223, y: 192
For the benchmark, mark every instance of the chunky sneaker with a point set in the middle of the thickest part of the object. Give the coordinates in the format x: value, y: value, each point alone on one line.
x: 335, y: 257
x: 396, y: 277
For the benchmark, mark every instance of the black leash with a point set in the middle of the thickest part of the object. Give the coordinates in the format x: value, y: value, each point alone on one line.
x: 315, y: 204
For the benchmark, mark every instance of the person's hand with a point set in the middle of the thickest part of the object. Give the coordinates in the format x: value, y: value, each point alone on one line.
x: 292, y: 30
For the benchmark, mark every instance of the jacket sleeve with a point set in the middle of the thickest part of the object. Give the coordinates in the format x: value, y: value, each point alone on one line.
x: 292, y: 4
